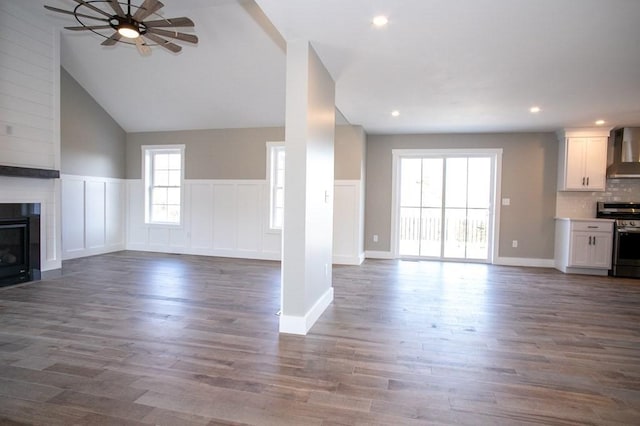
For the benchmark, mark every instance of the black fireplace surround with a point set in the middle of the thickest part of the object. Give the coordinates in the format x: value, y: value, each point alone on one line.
x: 19, y: 243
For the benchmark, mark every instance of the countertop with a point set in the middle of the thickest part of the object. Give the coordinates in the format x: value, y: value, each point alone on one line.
x: 585, y: 219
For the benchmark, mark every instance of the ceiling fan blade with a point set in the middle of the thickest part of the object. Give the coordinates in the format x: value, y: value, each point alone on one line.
x: 90, y: 28
x: 174, y: 34
x: 142, y: 47
x: 55, y: 9
x: 164, y: 43
x: 173, y: 22
x: 92, y: 7
x: 148, y: 7
x: 115, y: 5
x: 112, y: 40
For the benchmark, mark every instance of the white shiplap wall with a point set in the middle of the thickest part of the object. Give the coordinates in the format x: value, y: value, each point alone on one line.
x: 30, y: 115
x: 29, y: 86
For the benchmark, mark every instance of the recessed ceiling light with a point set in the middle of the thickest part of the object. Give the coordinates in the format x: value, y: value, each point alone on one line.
x: 600, y: 122
x: 395, y: 113
x: 380, y: 21
x: 534, y: 109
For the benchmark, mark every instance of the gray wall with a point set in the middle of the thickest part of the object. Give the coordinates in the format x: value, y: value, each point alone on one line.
x: 529, y: 170
x: 210, y: 154
x: 92, y: 143
x: 350, y: 143
x: 238, y: 153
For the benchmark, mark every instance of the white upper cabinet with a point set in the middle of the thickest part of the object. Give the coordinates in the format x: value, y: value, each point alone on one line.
x: 583, y: 160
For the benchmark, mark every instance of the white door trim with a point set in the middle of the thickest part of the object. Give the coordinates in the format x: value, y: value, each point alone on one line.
x: 496, y: 156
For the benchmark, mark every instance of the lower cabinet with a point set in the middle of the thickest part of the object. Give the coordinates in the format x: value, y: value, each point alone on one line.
x: 584, y: 246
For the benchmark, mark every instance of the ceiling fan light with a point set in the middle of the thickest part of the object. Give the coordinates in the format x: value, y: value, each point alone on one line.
x: 128, y: 31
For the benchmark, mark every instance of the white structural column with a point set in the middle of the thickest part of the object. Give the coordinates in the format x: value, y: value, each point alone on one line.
x: 308, y: 213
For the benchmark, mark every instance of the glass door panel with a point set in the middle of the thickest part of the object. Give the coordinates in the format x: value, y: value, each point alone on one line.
x: 409, y: 231
x: 479, y: 192
x: 477, y: 234
x: 455, y: 233
x: 445, y: 207
x: 431, y: 232
x: 431, y: 218
x: 410, y: 206
x: 456, y: 183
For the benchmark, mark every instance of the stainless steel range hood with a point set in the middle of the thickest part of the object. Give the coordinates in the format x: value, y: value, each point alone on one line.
x: 626, y: 154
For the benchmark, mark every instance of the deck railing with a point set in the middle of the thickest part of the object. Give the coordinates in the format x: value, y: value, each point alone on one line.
x: 463, y: 226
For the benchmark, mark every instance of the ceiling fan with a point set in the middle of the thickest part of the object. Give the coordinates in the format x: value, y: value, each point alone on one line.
x: 128, y: 22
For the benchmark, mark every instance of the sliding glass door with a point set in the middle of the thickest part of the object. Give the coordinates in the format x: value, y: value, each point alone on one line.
x: 444, y: 206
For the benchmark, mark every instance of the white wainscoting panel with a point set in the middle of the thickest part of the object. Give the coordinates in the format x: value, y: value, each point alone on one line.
x: 230, y: 218
x: 115, y: 219
x: 137, y: 232
x: 224, y: 216
x: 94, y: 197
x: 73, y: 214
x: 200, y: 217
x: 249, y: 203
x: 220, y: 218
x: 93, y: 219
x: 348, y: 223
x: 272, y: 243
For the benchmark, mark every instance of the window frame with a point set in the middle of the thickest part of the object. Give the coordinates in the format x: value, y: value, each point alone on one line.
x: 147, y: 176
x: 272, y: 149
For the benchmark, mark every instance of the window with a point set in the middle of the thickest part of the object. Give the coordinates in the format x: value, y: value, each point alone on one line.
x: 275, y: 171
x: 163, y: 174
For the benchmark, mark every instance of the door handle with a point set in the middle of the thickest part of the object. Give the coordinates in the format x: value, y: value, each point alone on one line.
x: 587, y: 180
x: 583, y: 181
x: 594, y: 240
x: 589, y: 239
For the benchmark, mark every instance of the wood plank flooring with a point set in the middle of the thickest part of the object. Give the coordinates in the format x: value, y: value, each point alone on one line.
x: 134, y: 338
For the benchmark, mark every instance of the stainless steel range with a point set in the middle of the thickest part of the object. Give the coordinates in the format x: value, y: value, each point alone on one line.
x: 626, y: 237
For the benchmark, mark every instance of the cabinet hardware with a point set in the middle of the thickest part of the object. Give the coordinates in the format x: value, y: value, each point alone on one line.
x: 592, y: 227
x: 594, y: 240
x: 589, y: 239
x: 583, y: 181
x: 587, y: 180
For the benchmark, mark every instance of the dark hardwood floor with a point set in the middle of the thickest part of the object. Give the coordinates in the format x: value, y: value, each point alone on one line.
x: 137, y: 338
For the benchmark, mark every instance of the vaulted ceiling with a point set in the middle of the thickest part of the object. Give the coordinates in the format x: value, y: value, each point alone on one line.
x: 446, y: 66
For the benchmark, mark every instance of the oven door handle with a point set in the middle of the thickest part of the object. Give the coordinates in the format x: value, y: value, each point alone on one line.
x: 625, y: 231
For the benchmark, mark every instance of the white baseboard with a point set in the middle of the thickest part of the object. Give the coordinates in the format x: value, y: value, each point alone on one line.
x: 301, y: 325
x: 506, y: 261
x: 584, y: 271
x: 235, y: 254
x: 372, y: 254
x: 524, y: 261
x: 348, y: 260
x: 75, y: 254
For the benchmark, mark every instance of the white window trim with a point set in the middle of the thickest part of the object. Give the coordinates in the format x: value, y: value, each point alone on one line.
x: 145, y: 180
x: 270, y: 147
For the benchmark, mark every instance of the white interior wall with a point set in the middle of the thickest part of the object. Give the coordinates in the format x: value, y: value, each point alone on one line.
x: 93, y: 215
x: 30, y: 117
x: 222, y: 218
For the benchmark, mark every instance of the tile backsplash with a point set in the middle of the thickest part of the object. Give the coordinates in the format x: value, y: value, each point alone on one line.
x: 583, y: 204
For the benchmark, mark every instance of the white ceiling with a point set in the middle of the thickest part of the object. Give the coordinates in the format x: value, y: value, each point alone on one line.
x: 447, y: 66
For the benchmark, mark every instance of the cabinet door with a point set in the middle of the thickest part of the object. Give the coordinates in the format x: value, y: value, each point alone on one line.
x: 579, y: 251
x: 596, y: 162
x: 575, y: 166
x: 601, y: 250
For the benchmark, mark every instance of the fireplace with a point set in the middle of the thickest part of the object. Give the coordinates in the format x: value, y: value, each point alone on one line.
x: 19, y: 243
